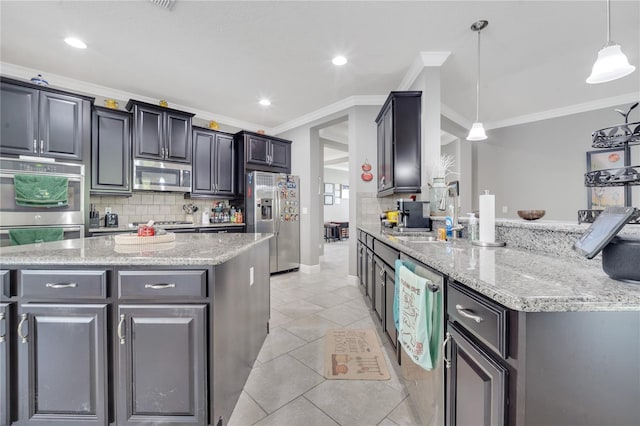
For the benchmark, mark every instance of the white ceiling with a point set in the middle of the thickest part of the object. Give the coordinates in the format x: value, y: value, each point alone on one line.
x: 223, y: 56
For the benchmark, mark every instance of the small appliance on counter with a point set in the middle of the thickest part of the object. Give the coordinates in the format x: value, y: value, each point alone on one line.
x: 110, y: 220
x: 414, y: 216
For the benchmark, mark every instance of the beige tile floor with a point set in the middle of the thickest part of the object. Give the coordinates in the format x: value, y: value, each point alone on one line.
x: 286, y: 386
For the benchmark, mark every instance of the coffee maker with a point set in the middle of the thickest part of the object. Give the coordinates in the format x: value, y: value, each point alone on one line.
x: 414, y: 215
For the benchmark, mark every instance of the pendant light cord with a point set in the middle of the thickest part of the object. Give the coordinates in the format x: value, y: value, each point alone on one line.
x: 608, y: 22
x: 478, y: 83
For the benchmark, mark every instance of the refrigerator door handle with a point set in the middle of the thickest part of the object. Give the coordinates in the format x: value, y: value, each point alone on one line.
x: 276, y: 216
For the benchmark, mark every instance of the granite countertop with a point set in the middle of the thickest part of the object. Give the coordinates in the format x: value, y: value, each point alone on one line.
x: 187, y: 249
x: 128, y: 228
x: 521, y: 279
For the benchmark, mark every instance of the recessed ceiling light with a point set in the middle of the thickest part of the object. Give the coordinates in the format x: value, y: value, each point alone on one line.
x: 339, y: 60
x: 265, y: 102
x: 75, y: 42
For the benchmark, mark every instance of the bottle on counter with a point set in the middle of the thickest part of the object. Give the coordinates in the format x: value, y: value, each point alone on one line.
x: 232, y: 215
x: 239, y: 218
x: 473, y: 227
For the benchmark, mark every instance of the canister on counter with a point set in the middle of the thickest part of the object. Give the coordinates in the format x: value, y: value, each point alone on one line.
x: 442, y: 234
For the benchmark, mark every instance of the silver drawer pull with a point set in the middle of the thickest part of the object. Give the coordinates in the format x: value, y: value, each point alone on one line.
x: 61, y: 285
x: 381, y: 272
x: 159, y: 286
x: 467, y: 313
x: 23, y: 337
x: 2, y: 318
x: 121, y: 329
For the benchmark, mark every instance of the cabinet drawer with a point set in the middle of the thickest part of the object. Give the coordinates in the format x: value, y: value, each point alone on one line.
x: 56, y: 284
x: 162, y: 284
x: 387, y: 254
x: 480, y: 316
x: 362, y: 236
x: 370, y: 241
x: 5, y: 284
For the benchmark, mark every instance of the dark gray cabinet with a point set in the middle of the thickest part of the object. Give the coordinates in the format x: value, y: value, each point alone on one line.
x: 399, y: 140
x: 214, y: 164
x: 161, y: 133
x: 362, y: 267
x: 162, y: 365
x: 111, y: 152
x: 5, y: 355
x: 369, y: 275
x: 262, y: 153
x: 476, y: 383
x: 43, y: 122
x: 389, y: 325
x: 62, y: 364
x: 378, y: 287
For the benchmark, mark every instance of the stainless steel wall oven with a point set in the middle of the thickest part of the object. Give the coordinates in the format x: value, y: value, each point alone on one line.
x: 69, y: 217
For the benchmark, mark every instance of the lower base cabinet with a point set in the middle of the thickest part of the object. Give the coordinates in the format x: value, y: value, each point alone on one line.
x: 162, y: 365
x: 476, y: 384
x: 5, y: 351
x: 62, y: 364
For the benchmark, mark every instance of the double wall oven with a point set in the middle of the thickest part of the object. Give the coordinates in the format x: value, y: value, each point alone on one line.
x: 70, y: 217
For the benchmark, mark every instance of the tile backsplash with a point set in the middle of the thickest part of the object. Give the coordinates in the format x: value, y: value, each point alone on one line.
x: 141, y: 207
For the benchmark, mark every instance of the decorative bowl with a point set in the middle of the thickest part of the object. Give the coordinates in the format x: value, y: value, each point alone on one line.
x: 111, y: 103
x: 213, y: 125
x: 531, y: 214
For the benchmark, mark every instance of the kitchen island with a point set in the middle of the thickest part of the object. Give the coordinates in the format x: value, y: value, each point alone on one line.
x: 99, y: 333
x: 531, y: 337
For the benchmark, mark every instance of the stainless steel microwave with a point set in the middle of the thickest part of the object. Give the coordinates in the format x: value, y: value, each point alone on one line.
x: 161, y: 176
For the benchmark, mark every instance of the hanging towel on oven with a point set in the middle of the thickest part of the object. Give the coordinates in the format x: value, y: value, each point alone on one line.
x: 21, y: 236
x: 41, y: 191
x: 419, y: 313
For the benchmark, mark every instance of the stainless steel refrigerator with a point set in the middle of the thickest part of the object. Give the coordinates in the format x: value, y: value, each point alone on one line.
x: 272, y: 204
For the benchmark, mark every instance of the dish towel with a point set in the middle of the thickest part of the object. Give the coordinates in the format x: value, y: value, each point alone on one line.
x: 41, y: 191
x: 418, y: 318
x: 34, y: 235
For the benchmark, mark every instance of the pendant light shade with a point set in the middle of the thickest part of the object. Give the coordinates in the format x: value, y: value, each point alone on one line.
x: 611, y: 64
x: 477, y: 130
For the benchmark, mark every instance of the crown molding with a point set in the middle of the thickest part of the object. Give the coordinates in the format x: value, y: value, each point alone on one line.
x: 66, y: 83
x: 351, y: 101
x: 424, y: 59
x: 568, y: 110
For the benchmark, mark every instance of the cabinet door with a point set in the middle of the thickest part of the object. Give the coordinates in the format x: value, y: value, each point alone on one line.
x: 203, y: 157
x: 162, y: 366
x: 224, y: 165
x: 62, y: 364
x: 257, y: 150
x: 476, y: 384
x: 5, y: 352
x: 280, y: 155
x: 148, y: 133
x: 381, y: 182
x: 389, y: 322
x: 389, y: 140
x: 19, y: 120
x: 111, y: 151
x: 60, y: 126
x: 178, y: 137
x: 370, y: 275
x: 361, y: 267
x: 378, y: 287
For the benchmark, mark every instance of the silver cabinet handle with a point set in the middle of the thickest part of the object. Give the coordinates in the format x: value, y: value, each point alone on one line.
x: 35, y: 146
x: 467, y: 313
x: 61, y: 285
x: 447, y: 362
x: 23, y: 337
x: 2, y: 318
x: 41, y: 146
x: 121, y: 329
x: 382, y: 272
x: 160, y: 286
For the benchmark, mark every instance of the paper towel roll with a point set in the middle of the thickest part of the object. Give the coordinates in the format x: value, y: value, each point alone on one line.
x: 488, y: 217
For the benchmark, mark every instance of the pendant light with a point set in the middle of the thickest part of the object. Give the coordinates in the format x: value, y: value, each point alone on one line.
x: 477, y: 130
x: 611, y: 64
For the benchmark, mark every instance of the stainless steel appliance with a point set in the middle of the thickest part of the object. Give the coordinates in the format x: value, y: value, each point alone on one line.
x: 272, y: 203
x: 70, y: 217
x: 426, y: 387
x: 161, y: 176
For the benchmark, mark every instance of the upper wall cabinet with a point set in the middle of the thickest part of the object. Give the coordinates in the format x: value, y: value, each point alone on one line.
x: 160, y: 133
x: 43, y: 122
x: 111, y: 152
x: 214, y: 163
x: 399, y: 144
x: 263, y: 153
